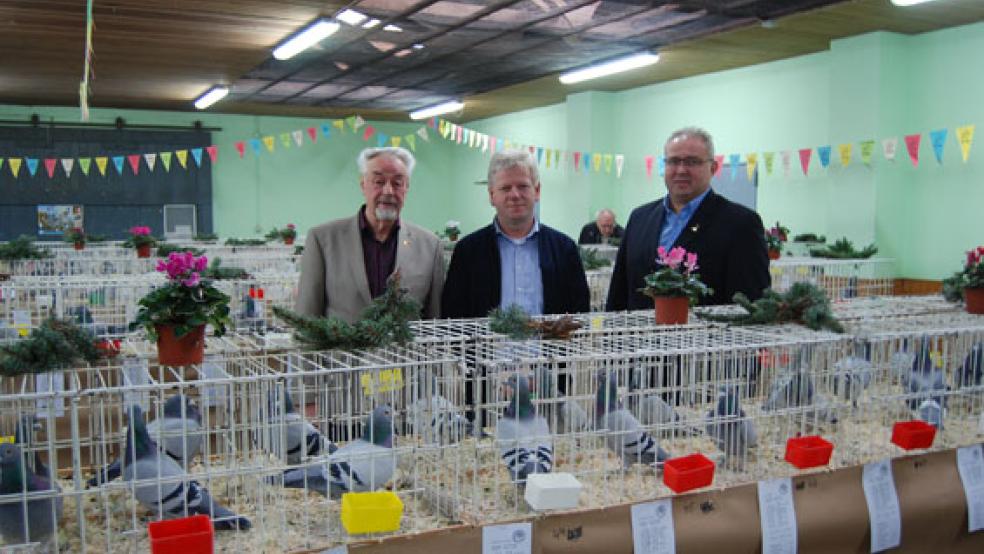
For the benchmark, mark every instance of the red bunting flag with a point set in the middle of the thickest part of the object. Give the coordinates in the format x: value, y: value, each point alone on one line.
x: 805, y: 154
x: 313, y: 133
x: 368, y: 132
x: 912, y: 145
x: 577, y: 160
x: 49, y: 164
x: 241, y: 148
x: 649, y: 166
x: 720, y: 163
x: 134, y: 160
x: 213, y: 152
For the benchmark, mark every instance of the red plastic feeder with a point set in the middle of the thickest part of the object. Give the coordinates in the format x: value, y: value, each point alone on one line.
x: 809, y: 451
x: 688, y: 472
x: 187, y: 535
x: 910, y: 435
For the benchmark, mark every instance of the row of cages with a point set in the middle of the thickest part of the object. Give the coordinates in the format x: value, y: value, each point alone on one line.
x: 455, y: 425
x: 117, y: 249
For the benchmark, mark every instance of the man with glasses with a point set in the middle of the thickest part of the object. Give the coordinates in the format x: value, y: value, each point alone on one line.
x: 347, y: 261
x: 729, y: 239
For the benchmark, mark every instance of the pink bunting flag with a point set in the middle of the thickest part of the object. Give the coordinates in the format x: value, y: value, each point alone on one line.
x: 241, y: 148
x: 213, y: 152
x: 912, y: 145
x: 805, y: 154
x: 577, y: 160
x: 49, y: 165
x: 460, y: 131
x: 313, y: 133
x: 719, y: 159
x: 134, y: 160
x: 369, y: 131
x: 649, y: 166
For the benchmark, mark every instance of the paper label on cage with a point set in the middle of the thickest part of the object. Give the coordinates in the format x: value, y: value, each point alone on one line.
x: 212, y: 368
x: 970, y: 464
x: 652, y: 527
x: 8, y: 439
x: 511, y: 538
x: 384, y: 380
x: 778, y: 517
x: 597, y: 322
x: 135, y: 373
x: 47, y: 383
x: 22, y: 322
x: 883, y: 505
x: 45, y: 301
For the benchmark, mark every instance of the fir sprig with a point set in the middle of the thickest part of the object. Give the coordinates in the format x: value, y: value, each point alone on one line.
x: 843, y: 249
x: 217, y: 272
x: 512, y: 322
x: 22, y: 248
x: 56, y: 344
x: 590, y: 259
x: 803, y: 303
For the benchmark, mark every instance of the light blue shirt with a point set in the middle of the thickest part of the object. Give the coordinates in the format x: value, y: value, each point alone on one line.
x: 522, y: 283
x: 673, y: 223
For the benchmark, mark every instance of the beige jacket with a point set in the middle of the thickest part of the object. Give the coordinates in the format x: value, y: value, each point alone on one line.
x: 333, y: 272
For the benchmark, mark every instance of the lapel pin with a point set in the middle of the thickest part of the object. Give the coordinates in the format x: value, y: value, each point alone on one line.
x: 694, y: 228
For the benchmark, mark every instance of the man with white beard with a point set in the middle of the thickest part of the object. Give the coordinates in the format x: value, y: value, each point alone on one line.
x: 347, y: 261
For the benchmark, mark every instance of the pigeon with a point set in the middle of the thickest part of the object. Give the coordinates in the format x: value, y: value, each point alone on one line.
x: 42, y: 514
x: 652, y: 409
x: 522, y: 435
x: 435, y: 418
x: 795, y: 389
x: 163, y: 486
x: 931, y: 412
x: 362, y: 465
x: 973, y: 368
x: 625, y: 435
x: 179, y: 434
x: 926, y: 381
x: 571, y: 417
x: 302, y: 438
x: 729, y: 428
x: 852, y: 375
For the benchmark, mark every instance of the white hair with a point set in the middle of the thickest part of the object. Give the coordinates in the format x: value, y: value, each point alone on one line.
x: 397, y: 152
x: 604, y: 211
x: 696, y: 132
x: 505, y: 159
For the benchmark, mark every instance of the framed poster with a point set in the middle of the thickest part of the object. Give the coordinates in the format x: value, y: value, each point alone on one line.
x: 55, y: 219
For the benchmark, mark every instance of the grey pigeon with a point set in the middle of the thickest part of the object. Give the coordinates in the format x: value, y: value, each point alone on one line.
x: 162, y: 484
x: 178, y: 432
x: 852, y: 375
x: 651, y: 408
x: 973, y: 367
x: 301, y: 439
x: 931, y: 412
x: 362, y: 465
x: 926, y: 381
x: 624, y: 434
x: 42, y: 514
x: 435, y: 419
x: 571, y: 417
x: 729, y: 428
x: 794, y: 389
x: 522, y: 435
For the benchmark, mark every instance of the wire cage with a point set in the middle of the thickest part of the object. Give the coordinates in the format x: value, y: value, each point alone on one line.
x: 840, y: 279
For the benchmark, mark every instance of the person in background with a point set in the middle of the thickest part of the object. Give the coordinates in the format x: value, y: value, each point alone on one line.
x: 602, y: 230
x: 346, y: 262
x: 728, y: 238
x: 516, y: 259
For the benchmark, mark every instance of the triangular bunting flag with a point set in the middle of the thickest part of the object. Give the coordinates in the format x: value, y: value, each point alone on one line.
x: 84, y: 165
x: 422, y: 133
x: 254, y: 143
x: 460, y: 131
x: 134, y: 160
x: 367, y: 134
x: 485, y: 143
x: 938, y: 139
x: 549, y: 157
x: 733, y: 161
x: 805, y: 155
x: 539, y: 155
x: 498, y: 144
x: 845, y: 153
x: 661, y: 166
x: 442, y: 128
x: 1, y: 163
x: 823, y: 152
x: 118, y: 163
x: 608, y: 163
x: 596, y: 162
x: 269, y: 142
x: 381, y: 139
x: 359, y: 122
x: 241, y: 148
x: 395, y: 141
x: 166, y: 160
x: 411, y: 141
x: 912, y: 145
x: 213, y: 153
x: 32, y: 165
x: 325, y: 130
x: 15, y: 165
x: 769, y: 158
x: 313, y: 132
x: 965, y: 136
x: 750, y: 166
x: 101, y: 162
x: 471, y: 138
x: 298, y: 136
x: 432, y: 122
x: 196, y: 153
x: 338, y: 124
x: 182, y: 156
x: 787, y: 162
x: 619, y: 164
x: 151, y: 160
x: 49, y: 165
x: 890, y: 147
x: 649, y: 166
x: 577, y: 161
x: 285, y: 139
x: 867, y: 149
x: 351, y: 122
x: 720, y: 164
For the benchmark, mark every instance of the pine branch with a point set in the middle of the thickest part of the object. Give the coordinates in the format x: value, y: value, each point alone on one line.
x: 57, y: 344
x: 803, y: 303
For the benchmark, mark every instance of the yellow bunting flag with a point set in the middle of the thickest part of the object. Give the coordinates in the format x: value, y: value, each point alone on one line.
x: 411, y: 141
x: 596, y: 162
x: 285, y: 139
x: 269, y: 142
x: 608, y: 163
x: 395, y: 141
x: 867, y: 149
x: 770, y: 158
x: 965, y: 136
x: 182, y: 156
x: 101, y: 162
x: 15, y: 165
x: 549, y: 155
x: 752, y: 163
x: 165, y: 158
x: 338, y: 124
x: 845, y: 153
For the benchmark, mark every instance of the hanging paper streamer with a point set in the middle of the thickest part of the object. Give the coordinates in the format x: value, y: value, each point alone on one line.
x: 805, y: 155
x: 241, y: 148
x: 381, y: 139
x: 313, y: 132
x: 285, y: 139
x: 298, y: 136
x: 213, y: 153
x: 733, y: 161
x: 49, y: 166
x: 867, y: 149
x: 254, y: 143
x: 118, y: 164
x: 752, y: 160
x: 182, y: 156
x: 769, y: 158
x: 196, y: 153
x: 844, y: 150
x: 719, y: 160
x: 912, y: 146
x: 619, y: 164
x: 890, y: 147
x: 134, y: 160
x: 823, y: 152
x: 84, y: 165
x: 269, y: 142
x: 166, y: 161
x: 787, y: 162
x: 367, y: 134
x: 938, y: 139
x: 965, y: 136
x: 15, y: 165
x: 151, y: 160
x: 101, y: 162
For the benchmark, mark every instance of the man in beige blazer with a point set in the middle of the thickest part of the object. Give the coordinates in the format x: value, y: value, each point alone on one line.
x: 346, y: 261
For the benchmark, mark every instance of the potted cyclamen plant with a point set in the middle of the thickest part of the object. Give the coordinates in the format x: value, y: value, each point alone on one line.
x: 675, y: 285
x: 76, y: 236
x: 141, y: 240
x: 288, y: 234
x: 968, y: 283
x: 452, y: 229
x: 774, y: 239
x: 175, y: 314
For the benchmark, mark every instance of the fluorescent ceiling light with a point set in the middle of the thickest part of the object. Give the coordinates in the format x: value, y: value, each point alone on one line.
x: 393, y: 29
x: 351, y: 17
x: 608, y: 68
x: 305, y: 38
x: 371, y: 23
x: 213, y: 95
x: 439, y: 109
x: 909, y: 2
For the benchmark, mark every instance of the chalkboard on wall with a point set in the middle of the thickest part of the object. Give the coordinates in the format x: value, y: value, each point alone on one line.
x: 112, y: 202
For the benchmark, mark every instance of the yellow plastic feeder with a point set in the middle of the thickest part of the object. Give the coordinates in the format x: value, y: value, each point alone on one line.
x: 371, y: 512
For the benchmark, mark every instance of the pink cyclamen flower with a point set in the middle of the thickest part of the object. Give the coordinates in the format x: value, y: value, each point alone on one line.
x: 290, y: 226
x: 201, y: 264
x: 676, y: 256
x: 192, y: 280
x: 691, y: 262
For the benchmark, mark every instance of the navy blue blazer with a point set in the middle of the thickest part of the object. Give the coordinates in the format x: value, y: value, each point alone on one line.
x: 729, y: 240
x: 473, y: 285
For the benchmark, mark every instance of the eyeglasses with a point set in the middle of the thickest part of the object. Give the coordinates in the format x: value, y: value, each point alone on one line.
x: 685, y: 162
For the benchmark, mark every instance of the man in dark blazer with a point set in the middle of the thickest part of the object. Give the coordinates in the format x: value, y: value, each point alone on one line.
x: 516, y: 259
x: 729, y: 239
x: 602, y: 229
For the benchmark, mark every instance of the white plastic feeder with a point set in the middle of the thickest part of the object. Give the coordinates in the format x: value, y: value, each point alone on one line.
x: 552, y: 491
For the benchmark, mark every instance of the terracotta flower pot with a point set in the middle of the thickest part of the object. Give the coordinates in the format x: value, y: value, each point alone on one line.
x: 186, y: 350
x: 143, y: 251
x: 974, y: 300
x: 672, y: 310
x: 80, y: 246
x: 453, y: 238
x: 288, y: 242
x: 774, y: 254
